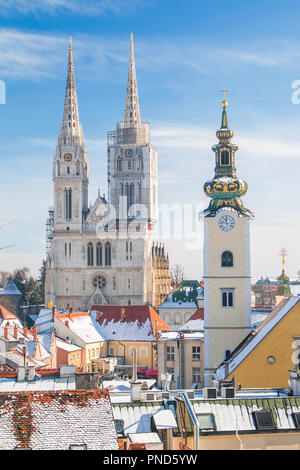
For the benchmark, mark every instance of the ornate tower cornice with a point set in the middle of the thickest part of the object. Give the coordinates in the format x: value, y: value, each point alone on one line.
x: 225, y: 189
x: 132, y: 109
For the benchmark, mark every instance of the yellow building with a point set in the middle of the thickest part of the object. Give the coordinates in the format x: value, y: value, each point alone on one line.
x: 265, y: 357
x: 128, y: 328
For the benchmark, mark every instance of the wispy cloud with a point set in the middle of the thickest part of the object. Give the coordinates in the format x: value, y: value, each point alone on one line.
x: 39, y: 55
x: 55, y: 7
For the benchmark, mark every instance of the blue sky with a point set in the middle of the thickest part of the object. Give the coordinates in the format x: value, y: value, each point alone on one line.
x: 185, y: 53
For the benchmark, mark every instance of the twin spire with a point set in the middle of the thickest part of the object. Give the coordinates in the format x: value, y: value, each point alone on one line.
x: 132, y: 116
x: 71, y: 124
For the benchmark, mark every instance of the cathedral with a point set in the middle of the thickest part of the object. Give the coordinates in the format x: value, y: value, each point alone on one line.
x: 104, y: 253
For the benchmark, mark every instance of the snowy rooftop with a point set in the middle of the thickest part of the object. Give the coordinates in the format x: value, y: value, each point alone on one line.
x: 57, y: 420
x: 254, y: 339
x: 10, y: 288
x: 84, y: 326
x: 66, y: 346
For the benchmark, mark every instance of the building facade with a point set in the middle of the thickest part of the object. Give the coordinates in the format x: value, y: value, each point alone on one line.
x: 227, y: 299
x: 102, y: 254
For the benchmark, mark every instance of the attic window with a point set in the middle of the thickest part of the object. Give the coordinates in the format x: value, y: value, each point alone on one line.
x: 296, y: 417
x: 264, y: 420
x: 206, y: 422
x: 78, y: 447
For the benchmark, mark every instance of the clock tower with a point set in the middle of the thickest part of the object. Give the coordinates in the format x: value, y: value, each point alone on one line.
x: 226, y: 256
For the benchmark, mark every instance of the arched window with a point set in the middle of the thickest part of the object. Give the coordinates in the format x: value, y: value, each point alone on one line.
x: 78, y: 168
x: 131, y: 194
x: 90, y: 254
x: 225, y: 157
x: 58, y: 168
x: 68, y: 170
x: 119, y: 164
x: 227, y: 259
x: 68, y: 203
x: 108, y: 254
x: 99, y: 254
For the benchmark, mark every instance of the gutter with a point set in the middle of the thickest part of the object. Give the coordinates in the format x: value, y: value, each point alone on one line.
x: 193, y: 418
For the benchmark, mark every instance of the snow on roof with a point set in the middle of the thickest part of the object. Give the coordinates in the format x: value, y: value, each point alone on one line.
x: 144, y: 438
x: 174, y: 335
x: 258, y: 335
x: 57, y: 420
x: 10, y: 288
x: 295, y: 289
x: 39, y: 383
x: 84, y: 326
x: 237, y: 414
x: 44, y: 321
x: 131, y: 323
x: 15, y: 359
x: 66, y: 346
x: 164, y: 419
x: 46, y: 341
x: 116, y: 386
x: 137, y: 416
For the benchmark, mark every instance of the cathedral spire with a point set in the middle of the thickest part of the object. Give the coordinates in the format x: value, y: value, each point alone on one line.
x: 71, y: 124
x: 132, y: 110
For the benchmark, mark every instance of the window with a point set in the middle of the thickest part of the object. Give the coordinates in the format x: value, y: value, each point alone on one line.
x: 264, y: 420
x: 68, y: 170
x: 112, y: 351
x: 78, y: 447
x: 170, y: 370
x: 196, y: 353
x: 99, y: 254
x: 196, y: 374
x: 131, y: 349
x: 68, y: 204
x: 129, y: 165
x: 144, y: 352
x: 296, y: 417
x: 206, y: 422
x: 90, y: 254
x: 107, y: 254
x: 225, y: 157
x: 227, y: 297
x: 227, y: 259
x: 70, y: 249
x: 66, y: 249
x: 119, y: 164
x: 119, y: 425
x: 100, y: 282
x: 170, y: 353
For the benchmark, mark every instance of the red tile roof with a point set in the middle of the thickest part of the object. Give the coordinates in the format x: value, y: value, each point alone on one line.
x: 198, y: 315
x: 57, y: 419
x: 6, y: 314
x: 132, y: 313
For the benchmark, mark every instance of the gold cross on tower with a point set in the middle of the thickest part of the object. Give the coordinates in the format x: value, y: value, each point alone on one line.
x: 224, y: 103
x: 283, y: 254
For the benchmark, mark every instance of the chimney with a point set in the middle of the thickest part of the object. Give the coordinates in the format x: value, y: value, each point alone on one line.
x: 98, y: 316
x: 16, y: 332
x: 67, y: 323
x: 134, y: 367
x: 35, y: 333
x: 53, y: 313
x: 25, y: 354
x: 71, y: 310
x: 25, y: 331
x: 122, y: 314
x: 6, y: 332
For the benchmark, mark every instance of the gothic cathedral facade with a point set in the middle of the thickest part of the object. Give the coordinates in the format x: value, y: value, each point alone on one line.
x: 226, y: 256
x: 103, y: 254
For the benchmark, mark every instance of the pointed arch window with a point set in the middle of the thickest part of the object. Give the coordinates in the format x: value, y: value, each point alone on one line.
x: 119, y: 164
x: 107, y: 254
x: 68, y: 203
x: 99, y: 254
x: 227, y: 259
x: 90, y: 254
x: 224, y: 157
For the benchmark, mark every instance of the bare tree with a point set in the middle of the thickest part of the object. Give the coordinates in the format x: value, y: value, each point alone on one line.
x: 177, y: 274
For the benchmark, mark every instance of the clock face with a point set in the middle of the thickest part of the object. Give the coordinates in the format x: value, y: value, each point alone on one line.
x: 226, y: 223
x: 68, y: 157
x: 128, y: 152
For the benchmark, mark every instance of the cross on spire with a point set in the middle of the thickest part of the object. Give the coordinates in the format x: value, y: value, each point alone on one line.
x: 283, y: 254
x: 132, y: 110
